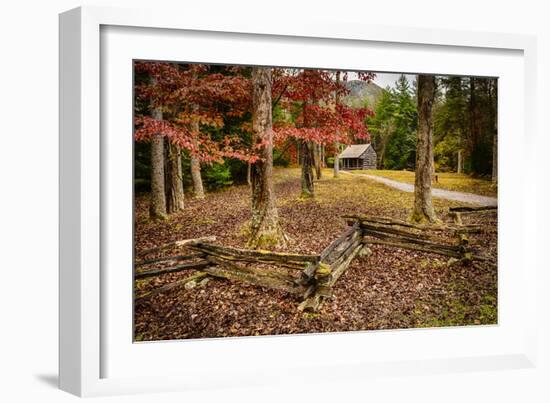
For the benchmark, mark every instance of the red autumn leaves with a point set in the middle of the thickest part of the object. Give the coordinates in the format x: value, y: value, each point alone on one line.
x: 209, y: 95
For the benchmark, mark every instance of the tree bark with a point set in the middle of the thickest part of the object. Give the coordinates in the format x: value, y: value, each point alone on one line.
x: 337, y: 145
x: 174, y: 189
x: 249, y: 174
x: 317, y: 160
x: 157, y: 207
x: 307, y: 169
x: 473, y: 131
x: 265, y: 229
x: 459, y: 168
x: 197, y: 179
x: 494, y: 175
x: 195, y: 164
x: 307, y: 160
x: 423, y: 208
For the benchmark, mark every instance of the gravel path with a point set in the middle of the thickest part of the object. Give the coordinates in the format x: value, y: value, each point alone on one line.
x: 441, y: 193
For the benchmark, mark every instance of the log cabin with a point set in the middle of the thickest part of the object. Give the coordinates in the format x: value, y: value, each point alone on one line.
x: 358, y: 156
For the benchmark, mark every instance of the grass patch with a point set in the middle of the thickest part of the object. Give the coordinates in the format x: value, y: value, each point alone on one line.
x: 446, y: 180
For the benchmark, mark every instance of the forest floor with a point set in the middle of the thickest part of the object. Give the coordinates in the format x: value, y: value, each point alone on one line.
x: 446, y: 180
x: 390, y: 289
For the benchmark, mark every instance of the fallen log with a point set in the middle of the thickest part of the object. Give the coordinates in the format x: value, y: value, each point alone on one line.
x: 291, y: 260
x: 228, y: 270
x: 324, y: 290
x: 465, y: 209
x: 343, y: 247
x: 407, y: 239
x: 346, y: 253
x: 457, y: 218
x: 170, y: 286
x: 342, y: 238
x: 419, y: 248
x: 339, y: 268
x: 180, y: 243
x: 311, y: 304
x: 309, y: 272
x: 174, y: 269
x: 330, y: 254
x: 471, y: 229
x: 399, y: 231
x: 394, y: 222
x: 169, y: 258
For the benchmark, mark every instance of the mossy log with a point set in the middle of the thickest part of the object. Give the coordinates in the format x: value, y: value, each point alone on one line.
x: 463, y: 239
x: 396, y: 236
x: 420, y: 248
x: 472, y: 229
x: 174, y: 269
x: 323, y: 269
x: 312, y: 303
x: 290, y: 260
x: 400, y: 232
x: 255, y: 276
x: 178, y: 258
x: 340, y: 266
x: 457, y: 217
x: 180, y: 243
x: 171, y: 286
x: 324, y: 274
x: 343, y: 247
x: 342, y: 238
x: 394, y: 222
x: 467, y: 209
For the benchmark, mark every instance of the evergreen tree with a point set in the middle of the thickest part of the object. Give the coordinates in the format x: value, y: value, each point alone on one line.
x: 394, y: 127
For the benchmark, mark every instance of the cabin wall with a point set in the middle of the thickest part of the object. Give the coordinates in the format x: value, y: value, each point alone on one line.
x: 369, y: 158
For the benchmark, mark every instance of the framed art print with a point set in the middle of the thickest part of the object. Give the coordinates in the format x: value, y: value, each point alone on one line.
x: 334, y: 201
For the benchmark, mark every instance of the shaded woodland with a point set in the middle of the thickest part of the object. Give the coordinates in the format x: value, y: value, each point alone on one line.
x: 464, y: 120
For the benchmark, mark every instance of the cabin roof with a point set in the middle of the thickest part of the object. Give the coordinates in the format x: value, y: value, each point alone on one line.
x: 354, y: 151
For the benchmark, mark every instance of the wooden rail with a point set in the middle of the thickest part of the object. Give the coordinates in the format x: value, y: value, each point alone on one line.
x: 311, y: 277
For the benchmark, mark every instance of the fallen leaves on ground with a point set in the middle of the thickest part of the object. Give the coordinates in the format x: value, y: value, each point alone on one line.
x: 390, y: 289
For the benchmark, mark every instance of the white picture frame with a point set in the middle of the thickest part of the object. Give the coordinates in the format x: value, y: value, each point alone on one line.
x: 88, y: 314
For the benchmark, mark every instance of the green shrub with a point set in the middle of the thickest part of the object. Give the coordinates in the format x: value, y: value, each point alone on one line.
x: 217, y: 176
x: 280, y: 159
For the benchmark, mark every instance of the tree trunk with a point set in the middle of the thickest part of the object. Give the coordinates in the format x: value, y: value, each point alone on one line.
x: 197, y: 179
x: 265, y: 229
x: 460, y: 162
x: 423, y: 208
x: 307, y: 169
x: 336, y: 168
x: 249, y: 174
x: 174, y: 183
x: 317, y: 160
x: 307, y: 152
x: 387, y: 132
x: 157, y: 208
x: 494, y: 175
x: 473, y: 128
x: 196, y: 165
x: 337, y: 145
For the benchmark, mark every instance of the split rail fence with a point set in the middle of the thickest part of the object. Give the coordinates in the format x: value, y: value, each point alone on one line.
x: 311, y: 278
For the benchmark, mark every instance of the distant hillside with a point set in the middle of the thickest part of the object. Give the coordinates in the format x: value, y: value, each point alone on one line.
x: 361, y: 91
